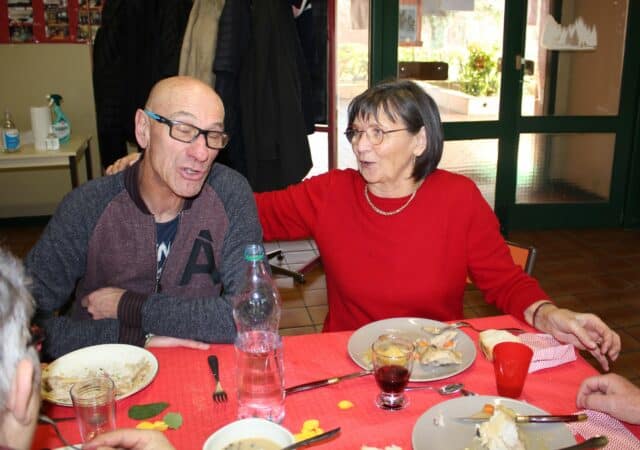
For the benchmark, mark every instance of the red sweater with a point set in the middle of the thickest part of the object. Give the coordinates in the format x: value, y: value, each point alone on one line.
x: 412, y: 264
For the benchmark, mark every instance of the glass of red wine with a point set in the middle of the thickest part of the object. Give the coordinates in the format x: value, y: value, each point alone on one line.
x: 392, y: 358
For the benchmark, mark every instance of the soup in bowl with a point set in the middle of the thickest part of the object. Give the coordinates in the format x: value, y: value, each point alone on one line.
x: 241, y: 433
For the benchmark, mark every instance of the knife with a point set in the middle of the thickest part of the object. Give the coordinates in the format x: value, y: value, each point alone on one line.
x: 325, y: 382
x: 545, y: 418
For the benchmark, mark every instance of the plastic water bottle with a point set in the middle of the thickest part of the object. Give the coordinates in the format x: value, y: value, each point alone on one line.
x: 10, y: 134
x: 259, y: 362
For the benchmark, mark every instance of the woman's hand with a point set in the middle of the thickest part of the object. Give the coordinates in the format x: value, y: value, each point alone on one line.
x: 122, y: 163
x: 585, y: 331
x: 611, y: 394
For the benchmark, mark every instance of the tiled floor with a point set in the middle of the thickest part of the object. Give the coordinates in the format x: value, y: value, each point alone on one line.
x: 587, y: 270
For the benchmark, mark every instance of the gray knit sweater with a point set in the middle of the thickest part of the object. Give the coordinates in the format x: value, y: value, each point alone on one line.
x: 103, y: 235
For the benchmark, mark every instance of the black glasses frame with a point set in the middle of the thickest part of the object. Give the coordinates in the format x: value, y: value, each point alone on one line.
x: 171, y: 123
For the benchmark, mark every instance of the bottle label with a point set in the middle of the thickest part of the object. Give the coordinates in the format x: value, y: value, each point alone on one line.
x: 10, y: 139
x: 62, y: 130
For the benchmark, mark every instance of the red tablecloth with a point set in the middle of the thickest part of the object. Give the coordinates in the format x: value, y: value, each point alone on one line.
x: 184, y: 380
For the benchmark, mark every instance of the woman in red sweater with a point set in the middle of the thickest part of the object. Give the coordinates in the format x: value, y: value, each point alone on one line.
x: 398, y: 237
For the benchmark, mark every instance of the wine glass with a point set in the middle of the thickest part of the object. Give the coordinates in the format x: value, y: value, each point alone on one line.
x: 392, y: 358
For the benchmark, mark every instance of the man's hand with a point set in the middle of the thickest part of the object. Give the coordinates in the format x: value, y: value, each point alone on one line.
x: 103, y: 303
x: 168, y: 341
x: 130, y: 439
x: 122, y: 163
x: 611, y: 394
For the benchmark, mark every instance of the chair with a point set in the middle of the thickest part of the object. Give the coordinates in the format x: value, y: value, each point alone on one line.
x: 522, y: 255
x: 297, y: 275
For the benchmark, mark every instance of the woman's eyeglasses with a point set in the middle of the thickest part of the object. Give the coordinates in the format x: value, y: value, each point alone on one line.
x: 374, y: 134
x: 187, y: 133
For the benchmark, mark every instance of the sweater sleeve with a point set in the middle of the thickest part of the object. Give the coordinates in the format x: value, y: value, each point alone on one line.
x: 293, y: 213
x: 210, y: 319
x: 491, y: 267
x: 56, y: 263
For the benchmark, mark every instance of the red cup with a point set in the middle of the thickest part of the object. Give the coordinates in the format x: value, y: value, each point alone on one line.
x: 511, y: 364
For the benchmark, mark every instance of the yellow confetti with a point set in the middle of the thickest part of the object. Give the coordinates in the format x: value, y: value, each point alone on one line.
x: 160, y: 426
x: 310, y: 424
x: 345, y: 404
x: 157, y: 425
x: 310, y: 428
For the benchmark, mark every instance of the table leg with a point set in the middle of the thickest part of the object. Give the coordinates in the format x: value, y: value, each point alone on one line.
x: 73, y: 168
x: 87, y: 161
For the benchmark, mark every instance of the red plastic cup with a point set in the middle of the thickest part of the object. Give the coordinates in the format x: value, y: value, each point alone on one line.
x: 511, y: 364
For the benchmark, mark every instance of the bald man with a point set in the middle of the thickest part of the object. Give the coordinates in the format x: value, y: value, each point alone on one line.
x: 151, y: 256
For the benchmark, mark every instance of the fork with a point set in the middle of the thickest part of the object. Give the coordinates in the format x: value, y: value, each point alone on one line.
x: 219, y: 396
x: 48, y: 420
x: 462, y: 324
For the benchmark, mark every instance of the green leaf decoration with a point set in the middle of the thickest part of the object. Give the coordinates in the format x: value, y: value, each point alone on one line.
x: 142, y: 412
x: 173, y: 420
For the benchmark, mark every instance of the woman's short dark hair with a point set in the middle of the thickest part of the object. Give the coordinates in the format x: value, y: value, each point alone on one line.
x: 404, y: 101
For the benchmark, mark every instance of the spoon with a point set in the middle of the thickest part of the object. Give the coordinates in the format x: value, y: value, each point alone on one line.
x: 594, y: 442
x: 447, y: 389
x: 316, y: 438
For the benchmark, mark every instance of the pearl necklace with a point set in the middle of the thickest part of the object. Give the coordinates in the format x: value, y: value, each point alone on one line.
x: 387, y: 213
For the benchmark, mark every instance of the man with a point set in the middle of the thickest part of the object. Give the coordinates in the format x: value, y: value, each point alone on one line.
x: 20, y: 371
x: 156, y: 251
x: 19, y: 366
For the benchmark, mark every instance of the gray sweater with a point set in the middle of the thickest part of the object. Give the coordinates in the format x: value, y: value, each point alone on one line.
x: 103, y: 235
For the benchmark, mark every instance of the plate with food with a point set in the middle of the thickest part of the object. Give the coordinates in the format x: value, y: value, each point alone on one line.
x: 440, y: 427
x: 131, y: 368
x: 441, y: 351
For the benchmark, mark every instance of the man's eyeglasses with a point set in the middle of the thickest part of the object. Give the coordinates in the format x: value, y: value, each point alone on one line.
x: 374, y: 134
x: 187, y: 133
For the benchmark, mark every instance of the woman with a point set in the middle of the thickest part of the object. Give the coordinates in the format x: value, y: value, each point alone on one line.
x: 398, y: 237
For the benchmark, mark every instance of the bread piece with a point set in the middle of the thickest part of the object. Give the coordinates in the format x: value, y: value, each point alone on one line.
x: 491, y: 338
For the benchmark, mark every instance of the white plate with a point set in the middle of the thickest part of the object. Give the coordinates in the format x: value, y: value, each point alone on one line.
x: 361, y: 340
x: 131, y: 368
x: 456, y: 435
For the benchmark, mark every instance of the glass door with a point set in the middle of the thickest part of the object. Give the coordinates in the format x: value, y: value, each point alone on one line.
x: 530, y: 95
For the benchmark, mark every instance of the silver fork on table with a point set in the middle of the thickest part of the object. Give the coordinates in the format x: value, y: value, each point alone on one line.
x: 462, y: 324
x: 48, y: 420
x: 219, y: 396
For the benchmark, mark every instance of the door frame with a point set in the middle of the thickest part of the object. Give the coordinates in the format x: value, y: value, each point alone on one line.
x: 623, y: 207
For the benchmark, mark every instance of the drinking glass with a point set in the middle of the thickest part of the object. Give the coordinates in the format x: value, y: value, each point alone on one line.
x: 511, y: 364
x: 94, y: 402
x: 392, y: 358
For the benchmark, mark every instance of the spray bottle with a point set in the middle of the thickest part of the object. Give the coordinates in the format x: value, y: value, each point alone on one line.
x: 60, y: 123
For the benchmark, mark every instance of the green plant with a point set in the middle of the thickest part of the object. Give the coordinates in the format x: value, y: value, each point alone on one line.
x: 479, y: 73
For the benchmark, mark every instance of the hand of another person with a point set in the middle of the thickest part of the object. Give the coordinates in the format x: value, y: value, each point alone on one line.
x: 103, y: 303
x: 122, y: 163
x: 168, y: 341
x: 131, y: 439
x: 611, y: 394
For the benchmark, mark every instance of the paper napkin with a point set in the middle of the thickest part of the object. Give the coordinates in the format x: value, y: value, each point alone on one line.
x: 600, y: 423
x: 547, y: 351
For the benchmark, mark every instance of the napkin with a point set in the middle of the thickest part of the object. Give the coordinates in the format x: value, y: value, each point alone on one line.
x: 547, y: 351
x: 600, y: 423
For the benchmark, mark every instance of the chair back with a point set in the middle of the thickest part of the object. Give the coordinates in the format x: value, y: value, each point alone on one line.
x: 522, y: 255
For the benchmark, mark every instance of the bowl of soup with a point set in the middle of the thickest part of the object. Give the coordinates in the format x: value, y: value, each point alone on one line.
x: 242, y: 434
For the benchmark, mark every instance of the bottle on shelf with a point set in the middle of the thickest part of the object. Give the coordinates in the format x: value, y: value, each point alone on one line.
x: 10, y: 134
x: 52, y: 142
x: 260, y: 367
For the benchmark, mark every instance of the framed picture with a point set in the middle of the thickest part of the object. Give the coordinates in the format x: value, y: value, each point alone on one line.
x: 409, y: 24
